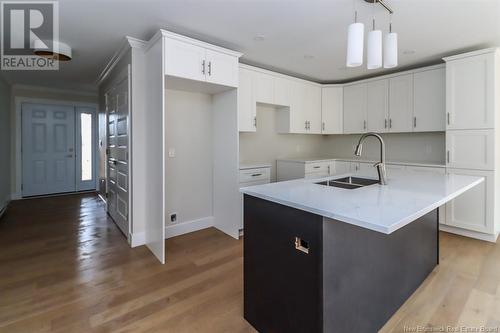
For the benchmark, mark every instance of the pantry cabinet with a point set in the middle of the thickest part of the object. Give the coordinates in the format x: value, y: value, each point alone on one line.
x: 247, y: 108
x: 470, y: 149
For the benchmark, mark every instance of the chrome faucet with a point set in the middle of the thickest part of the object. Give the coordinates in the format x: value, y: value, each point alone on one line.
x: 382, y: 176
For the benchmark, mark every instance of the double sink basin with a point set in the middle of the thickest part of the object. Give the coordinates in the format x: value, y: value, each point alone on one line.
x: 349, y: 182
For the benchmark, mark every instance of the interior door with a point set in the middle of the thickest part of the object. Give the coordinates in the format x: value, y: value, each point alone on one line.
x: 117, y: 157
x: 48, y: 149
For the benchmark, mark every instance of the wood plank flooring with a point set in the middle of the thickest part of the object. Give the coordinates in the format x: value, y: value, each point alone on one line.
x: 65, y: 267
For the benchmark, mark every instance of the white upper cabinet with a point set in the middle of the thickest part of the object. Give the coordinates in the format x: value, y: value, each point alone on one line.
x: 264, y: 88
x: 184, y: 60
x: 332, y: 110
x: 282, y: 91
x: 429, y: 103
x: 221, y: 68
x: 194, y: 60
x: 355, y: 108
x: 470, y: 89
x: 377, y: 106
x: 401, y: 103
x: 312, y: 108
x: 247, y: 117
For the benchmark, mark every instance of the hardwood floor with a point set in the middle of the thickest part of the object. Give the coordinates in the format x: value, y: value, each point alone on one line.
x: 65, y: 267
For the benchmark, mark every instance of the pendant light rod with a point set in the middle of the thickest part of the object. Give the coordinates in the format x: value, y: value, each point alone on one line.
x: 383, y: 4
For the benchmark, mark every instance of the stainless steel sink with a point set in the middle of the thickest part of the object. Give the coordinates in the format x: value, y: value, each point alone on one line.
x: 349, y: 182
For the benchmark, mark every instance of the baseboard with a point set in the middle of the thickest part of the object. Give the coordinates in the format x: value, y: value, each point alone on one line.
x: 188, y: 226
x: 16, y: 196
x: 139, y: 238
x: 469, y: 233
x: 3, y: 208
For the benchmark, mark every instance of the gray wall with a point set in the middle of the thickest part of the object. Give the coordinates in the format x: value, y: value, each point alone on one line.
x: 266, y: 145
x: 5, y: 153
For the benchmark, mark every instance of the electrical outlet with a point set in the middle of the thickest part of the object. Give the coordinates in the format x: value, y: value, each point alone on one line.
x: 173, y: 217
x: 171, y: 152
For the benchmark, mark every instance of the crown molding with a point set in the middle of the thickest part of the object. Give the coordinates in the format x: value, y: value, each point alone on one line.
x: 55, y: 90
x: 127, y: 44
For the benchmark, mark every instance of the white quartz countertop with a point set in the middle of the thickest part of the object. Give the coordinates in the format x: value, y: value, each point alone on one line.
x: 325, y: 159
x: 383, y: 208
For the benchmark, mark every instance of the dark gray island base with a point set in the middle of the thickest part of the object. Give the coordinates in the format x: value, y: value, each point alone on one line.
x: 305, y: 273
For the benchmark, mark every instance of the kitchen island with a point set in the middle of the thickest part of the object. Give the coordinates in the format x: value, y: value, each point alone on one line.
x: 326, y: 256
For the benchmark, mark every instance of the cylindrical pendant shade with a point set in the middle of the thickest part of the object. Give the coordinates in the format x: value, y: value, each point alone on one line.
x: 391, y: 50
x: 355, y: 41
x: 374, y: 49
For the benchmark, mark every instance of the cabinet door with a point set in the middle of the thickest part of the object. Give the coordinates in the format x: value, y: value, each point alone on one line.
x: 332, y: 104
x: 282, y: 90
x: 474, y: 209
x: 355, y: 167
x: 377, y: 105
x: 184, y: 60
x: 297, y: 108
x: 429, y: 107
x: 470, y: 149
x: 222, y: 68
x: 355, y: 108
x: 313, y: 108
x: 401, y: 103
x: 247, y: 120
x: 470, y: 92
x: 264, y: 88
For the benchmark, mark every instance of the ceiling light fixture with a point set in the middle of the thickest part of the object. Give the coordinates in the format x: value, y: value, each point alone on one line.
x: 355, y: 41
x: 374, y: 57
x: 53, y: 50
x: 390, y: 47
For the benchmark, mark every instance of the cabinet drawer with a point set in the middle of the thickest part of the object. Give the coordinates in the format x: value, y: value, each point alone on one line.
x: 252, y: 175
x: 317, y: 167
x: 470, y: 149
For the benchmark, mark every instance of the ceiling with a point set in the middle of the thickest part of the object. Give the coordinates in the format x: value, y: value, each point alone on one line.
x: 305, y: 38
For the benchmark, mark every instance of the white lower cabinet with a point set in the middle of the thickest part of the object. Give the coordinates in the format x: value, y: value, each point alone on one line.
x: 342, y: 167
x: 473, y: 210
x: 250, y: 176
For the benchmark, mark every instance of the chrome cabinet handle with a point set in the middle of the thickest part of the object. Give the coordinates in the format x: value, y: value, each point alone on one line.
x: 316, y: 167
x: 448, y: 156
x: 390, y: 122
x: 414, y: 122
x: 203, y: 67
x: 448, y: 117
x: 364, y: 124
x: 323, y: 126
x: 210, y: 68
x: 305, y: 124
x: 385, y: 123
x: 256, y: 175
x: 255, y: 121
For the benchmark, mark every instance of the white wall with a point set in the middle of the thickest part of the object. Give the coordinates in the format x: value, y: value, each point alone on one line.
x: 5, y: 132
x: 400, y: 147
x: 266, y: 145
x: 189, y: 175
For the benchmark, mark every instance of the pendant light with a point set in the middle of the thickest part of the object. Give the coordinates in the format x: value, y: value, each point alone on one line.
x: 374, y: 48
x: 355, y: 41
x: 391, y: 47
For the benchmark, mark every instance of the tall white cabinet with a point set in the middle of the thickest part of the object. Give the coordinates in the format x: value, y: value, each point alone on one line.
x: 472, y: 137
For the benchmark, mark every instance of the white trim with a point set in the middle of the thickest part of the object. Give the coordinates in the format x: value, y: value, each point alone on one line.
x: 55, y: 90
x: 16, y: 172
x: 139, y: 238
x: 472, y: 54
x: 283, y: 76
x: 468, y: 233
x: 127, y: 44
x: 206, y: 45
